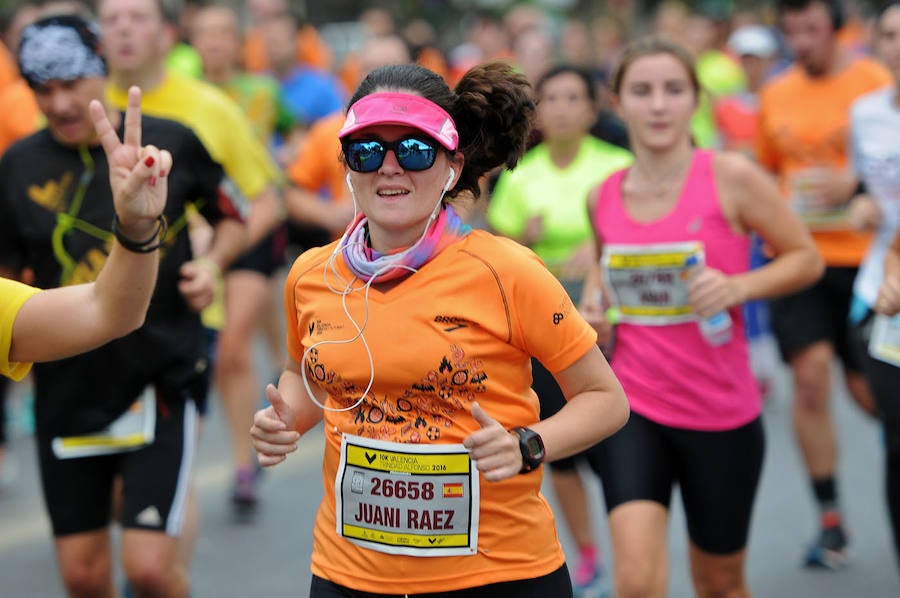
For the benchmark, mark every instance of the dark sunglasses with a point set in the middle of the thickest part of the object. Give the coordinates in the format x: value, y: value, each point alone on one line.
x: 367, y: 155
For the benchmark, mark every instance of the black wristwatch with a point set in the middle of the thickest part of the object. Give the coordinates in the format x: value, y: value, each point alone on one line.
x: 532, y: 448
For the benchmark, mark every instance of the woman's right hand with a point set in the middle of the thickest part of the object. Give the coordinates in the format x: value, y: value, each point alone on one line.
x: 273, y: 434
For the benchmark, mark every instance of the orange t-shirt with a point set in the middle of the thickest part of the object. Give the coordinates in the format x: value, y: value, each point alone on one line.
x: 21, y: 115
x: 9, y: 70
x: 804, y: 123
x: 460, y: 329
x: 311, y: 50
x: 317, y: 166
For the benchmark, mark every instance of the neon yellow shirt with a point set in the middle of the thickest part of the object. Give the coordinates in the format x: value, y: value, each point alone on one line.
x: 719, y: 75
x: 12, y: 296
x: 217, y: 121
x: 537, y: 187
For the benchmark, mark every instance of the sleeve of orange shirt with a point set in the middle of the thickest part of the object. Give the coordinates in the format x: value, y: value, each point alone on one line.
x: 546, y: 323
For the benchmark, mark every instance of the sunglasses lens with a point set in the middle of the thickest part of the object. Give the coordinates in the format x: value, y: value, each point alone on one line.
x: 367, y: 155
x: 416, y: 154
x: 364, y: 156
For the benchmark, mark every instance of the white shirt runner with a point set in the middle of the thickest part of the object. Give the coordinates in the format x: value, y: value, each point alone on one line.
x: 885, y: 341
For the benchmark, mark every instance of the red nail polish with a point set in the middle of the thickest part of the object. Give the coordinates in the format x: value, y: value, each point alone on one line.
x: 150, y: 161
x: 152, y: 180
x: 162, y: 173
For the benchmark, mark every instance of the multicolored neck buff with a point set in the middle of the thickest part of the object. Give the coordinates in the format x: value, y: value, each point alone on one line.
x: 371, y: 266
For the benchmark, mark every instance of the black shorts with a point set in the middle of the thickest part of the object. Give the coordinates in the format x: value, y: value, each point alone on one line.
x: 552, y: 400
x: 307, y: 236
x: 818, y: 313
x: 555, y: 585
x: 155, y: 480
x: 718, y: 473
x: 266, y: 256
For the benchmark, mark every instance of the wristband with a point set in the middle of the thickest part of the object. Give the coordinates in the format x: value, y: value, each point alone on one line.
x: 141, y: 246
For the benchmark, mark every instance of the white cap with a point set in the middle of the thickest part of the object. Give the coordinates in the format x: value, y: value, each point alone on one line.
x: 753, y: 40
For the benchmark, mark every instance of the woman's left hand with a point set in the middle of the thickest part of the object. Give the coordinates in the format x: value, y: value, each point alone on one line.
x: 712, y: 291
x: 494, y: 450
x: 138, y: 174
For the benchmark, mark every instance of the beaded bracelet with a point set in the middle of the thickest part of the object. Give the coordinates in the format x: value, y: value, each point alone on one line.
x: 141, y: 246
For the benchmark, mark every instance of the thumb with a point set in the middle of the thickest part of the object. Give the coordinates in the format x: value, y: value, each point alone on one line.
x: 484, y: 420
x: 282, y: 409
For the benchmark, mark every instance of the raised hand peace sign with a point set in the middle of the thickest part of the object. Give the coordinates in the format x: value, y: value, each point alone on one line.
x: 137, y: 174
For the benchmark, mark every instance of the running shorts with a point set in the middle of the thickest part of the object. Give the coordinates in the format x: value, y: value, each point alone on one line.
x: 266, y: 256
x: 818, y: 313
x: 718, y: 473
x: 556, y: 584
x: 155, y: 479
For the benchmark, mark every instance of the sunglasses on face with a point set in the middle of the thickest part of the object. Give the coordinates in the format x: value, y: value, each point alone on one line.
x: 367, y: 155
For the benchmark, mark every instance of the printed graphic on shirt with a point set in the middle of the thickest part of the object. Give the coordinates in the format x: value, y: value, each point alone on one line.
x: 421, y: 411
x: 52, y: 194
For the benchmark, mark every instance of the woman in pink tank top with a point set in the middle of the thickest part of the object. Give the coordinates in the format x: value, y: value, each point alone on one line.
x: 673, y: 232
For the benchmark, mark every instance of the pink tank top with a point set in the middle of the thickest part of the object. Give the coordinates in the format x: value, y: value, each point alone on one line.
x: 670, y: 374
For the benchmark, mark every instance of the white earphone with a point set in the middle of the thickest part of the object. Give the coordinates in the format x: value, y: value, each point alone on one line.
x: 450, y: 180
x: 349, y: 184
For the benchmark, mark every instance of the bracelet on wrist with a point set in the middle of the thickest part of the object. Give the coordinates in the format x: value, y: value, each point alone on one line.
x: 159, y: 236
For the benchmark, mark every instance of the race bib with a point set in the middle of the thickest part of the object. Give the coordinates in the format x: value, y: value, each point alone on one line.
x: 651, y: 282
x: 132, y: 430
x: 885, y: 341
x: 417, y: 500
x: 809, y: 208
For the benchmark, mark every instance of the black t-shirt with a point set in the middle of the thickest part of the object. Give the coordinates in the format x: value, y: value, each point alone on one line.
x: 56, y: 211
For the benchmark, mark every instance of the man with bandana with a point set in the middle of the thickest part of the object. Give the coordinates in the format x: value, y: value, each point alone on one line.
x: 137, y: 36
x: 128, y: 408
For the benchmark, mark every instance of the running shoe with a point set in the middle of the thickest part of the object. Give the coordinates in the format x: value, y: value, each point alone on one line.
x: 244, y: 497
x: 831, y: 550
x: 589, y: 580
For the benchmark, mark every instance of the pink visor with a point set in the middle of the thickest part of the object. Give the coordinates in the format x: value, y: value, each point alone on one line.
x: 389, y: 108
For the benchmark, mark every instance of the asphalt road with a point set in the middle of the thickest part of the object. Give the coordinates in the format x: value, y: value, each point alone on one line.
x: 270, y: 557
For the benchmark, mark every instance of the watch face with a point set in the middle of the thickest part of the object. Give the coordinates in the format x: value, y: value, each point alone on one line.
x: 535, y: 447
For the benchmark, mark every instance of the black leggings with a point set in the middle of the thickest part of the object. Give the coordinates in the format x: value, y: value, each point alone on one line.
x: 884, y: 380
x: 555, y: 585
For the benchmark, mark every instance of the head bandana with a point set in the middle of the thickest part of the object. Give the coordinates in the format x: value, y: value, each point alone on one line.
x: 392, y: 108
x: 62, y: 47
